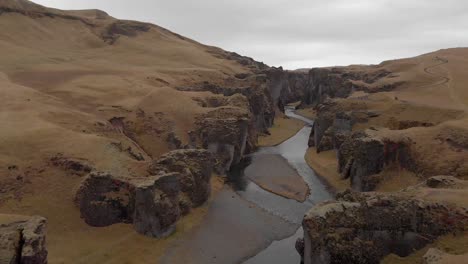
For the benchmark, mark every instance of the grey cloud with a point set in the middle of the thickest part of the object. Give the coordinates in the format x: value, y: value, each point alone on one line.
x: 303, y: 33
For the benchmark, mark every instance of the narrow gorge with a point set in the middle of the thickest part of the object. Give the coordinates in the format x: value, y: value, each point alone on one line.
x: 124, y: 142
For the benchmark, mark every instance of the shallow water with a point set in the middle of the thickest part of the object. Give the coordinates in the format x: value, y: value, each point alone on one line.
x: 293, y: 150
x: 247, y: 224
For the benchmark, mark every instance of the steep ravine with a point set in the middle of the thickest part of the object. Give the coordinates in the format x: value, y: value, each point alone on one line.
x: 247, y: 223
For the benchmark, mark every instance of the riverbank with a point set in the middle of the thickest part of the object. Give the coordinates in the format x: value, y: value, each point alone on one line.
x: 247, y: 220
x: 308, y: 112
x: 117, y: 243
x: 283, y: 129
x: 325, y: 164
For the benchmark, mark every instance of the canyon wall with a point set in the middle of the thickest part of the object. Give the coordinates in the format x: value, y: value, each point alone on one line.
x: 314, y: 86
x: 22, y: 239
x: 153, y: 203
x: 363, y: 228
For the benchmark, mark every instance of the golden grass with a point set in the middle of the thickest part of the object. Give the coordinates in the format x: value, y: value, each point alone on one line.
x: 70, y: 240
x: 325, y: 165
x: 282, y: 130
x: 452, y: 244
x: 396, y: 179
x: 307, y: 112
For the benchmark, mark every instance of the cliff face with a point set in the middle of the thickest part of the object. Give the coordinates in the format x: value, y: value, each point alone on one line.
x: 314, y: 86
x: 240, y: 110
x: 388, y: 139
x: 22, y: 239
x: 362, y: 228
x: 287, y: 86
x: 179, y: 181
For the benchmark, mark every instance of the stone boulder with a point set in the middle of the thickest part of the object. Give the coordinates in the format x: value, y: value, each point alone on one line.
x: 363, y: 228
x: 445, y: 182
x: 195, y: 168
x: 179, y: 181
x: 23, y: 239
x: 104, y: 199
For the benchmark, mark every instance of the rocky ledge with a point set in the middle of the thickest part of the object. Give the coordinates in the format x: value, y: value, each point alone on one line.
x: 364, y: 227
x: 23, y: 239
x: 362, y: 156
x: 314, y: 86
x: 178, y: 181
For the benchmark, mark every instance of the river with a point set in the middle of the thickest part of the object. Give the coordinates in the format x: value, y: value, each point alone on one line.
x: 247, y: 224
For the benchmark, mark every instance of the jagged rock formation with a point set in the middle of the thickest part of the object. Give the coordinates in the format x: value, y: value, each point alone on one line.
x: 362, y: 156
x: 363, y: 228
x: 287, y: 86
x: 261, y: 104
x: 23, y: 239
x: 231, y: 129
x: 178, y: 182
x: 314, y: 86
x: 194, y: 166
x: 335, y: 122
x: 226, y: 133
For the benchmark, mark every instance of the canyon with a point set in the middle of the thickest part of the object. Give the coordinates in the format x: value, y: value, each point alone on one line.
x: 123, y: 142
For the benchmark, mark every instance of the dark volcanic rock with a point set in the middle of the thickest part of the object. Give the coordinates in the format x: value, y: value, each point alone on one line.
x: 314, y: 86
x: 194, y: 167
x: 156, y: 205
x: 105, y: 200
x: 362, y: 156
x: 325, y: 83
x: 179, y: 181
x: 287, y: 86
x: 23, y: 240
x: 445, y: 182
x: 232, y: 129
x: 226, y: 132
x: 365, y: 228
x: 332, y: 126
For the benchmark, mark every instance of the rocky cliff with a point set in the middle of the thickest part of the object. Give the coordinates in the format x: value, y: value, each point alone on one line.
x: 178, y: 181
x: 240, y: 110
x: 22, y: 239
x: 363, y: 228
x: 314, y: 86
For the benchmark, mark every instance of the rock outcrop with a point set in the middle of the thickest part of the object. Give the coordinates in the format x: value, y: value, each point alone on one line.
x: 330, y: 128
x: 362, y: 156
x: 363, y: 228
x: 23, y: 239
x: 195, y: 168
x: 227, y: 133
x: 260, y: 103
x: 335, y: 122
x: 287, y: 86
x: 240, y: 113
x: 178, y: 182
x: 314, y: 86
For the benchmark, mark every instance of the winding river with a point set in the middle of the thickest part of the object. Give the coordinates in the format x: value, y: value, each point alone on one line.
x: 247, y: 224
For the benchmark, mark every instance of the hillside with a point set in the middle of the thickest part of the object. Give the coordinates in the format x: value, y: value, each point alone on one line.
x: 116, y: 137
x: 84, y: 91
x: 386, y: 128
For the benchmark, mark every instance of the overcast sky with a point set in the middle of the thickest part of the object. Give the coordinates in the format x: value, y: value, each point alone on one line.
x: 302, y: 33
